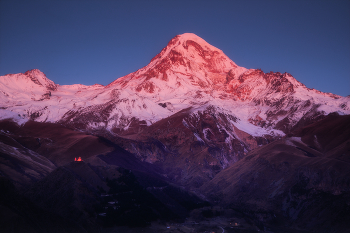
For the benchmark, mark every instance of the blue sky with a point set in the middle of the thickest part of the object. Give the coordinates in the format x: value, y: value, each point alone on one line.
x: 98, y: 41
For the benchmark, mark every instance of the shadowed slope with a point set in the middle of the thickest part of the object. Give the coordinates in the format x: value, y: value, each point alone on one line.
x: 302, y: 179
x: 56, y: 142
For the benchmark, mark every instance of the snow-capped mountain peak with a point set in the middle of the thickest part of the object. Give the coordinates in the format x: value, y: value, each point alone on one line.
x: 40, y: 78
x: 188, y: 73
x: 185, y: 64
x: 33, y: 84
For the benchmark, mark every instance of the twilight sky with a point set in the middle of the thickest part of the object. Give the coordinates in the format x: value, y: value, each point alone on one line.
x: 98, y: 41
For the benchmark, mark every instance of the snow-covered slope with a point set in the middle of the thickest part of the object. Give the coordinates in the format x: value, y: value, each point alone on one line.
x: 187, y: 73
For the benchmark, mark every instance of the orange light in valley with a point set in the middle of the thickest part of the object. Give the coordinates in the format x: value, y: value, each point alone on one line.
x: 79, y: 159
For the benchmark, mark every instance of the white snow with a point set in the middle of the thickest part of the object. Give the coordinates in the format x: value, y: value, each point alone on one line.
x: 189, y: 85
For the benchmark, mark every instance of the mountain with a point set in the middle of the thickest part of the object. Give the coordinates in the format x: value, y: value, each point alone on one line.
x: 302, y: 179
x: 221, y: 111
x: 188, y: 72
x: 189, y: 121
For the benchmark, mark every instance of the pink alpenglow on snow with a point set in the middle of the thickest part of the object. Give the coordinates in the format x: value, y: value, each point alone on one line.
x: 188, y: 74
